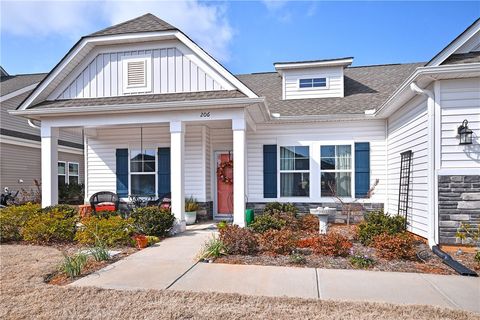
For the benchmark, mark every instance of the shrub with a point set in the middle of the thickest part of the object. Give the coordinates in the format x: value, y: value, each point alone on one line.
x: 477, y: 257
x: 65, y: 209
x: 331, y: 244
x: 309, y: 223
x: 151, y: 240
x: 277, y: 241
x: 73, y: 265
x: 290, y: 221
x: 53, y: 226
x: 213, y: 248
x: 238, y: 240
x: 191, y: 204
x: 377, y: 223
x: 111, y: 231
x: 297, y: 258
x: 277, y: 207
x: 266, y: 222
x: 13, y: 218
x: 361, y: 262
x: 222, y: 224
x: 153, y: 221
x: 397, y: 246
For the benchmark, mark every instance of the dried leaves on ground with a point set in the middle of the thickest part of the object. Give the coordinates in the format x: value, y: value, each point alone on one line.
x: 25, y: 295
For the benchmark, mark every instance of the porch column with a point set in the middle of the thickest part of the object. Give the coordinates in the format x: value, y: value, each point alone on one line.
x: 49, y: 150
x: 238, y: 127
x: 177, y: 161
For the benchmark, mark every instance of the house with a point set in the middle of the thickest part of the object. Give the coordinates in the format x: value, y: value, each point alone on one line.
x: 20, y: 140
x: 161, y: 115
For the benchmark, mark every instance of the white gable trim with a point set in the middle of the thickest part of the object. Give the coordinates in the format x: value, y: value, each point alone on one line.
x: 86, y: 44
x: 455, y: 44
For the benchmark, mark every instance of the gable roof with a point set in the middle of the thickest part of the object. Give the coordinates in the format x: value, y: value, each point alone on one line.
x: 146, y: 23
x: 12, y: 83
x: 366, y: 88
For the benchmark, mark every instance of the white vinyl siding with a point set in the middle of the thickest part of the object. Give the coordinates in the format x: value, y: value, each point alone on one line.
x: 172, y: 70
x: 326, y: 133
x: 459, y: 100
x: 408, y: 130
x: 102, y: 160
x: 332, y: 75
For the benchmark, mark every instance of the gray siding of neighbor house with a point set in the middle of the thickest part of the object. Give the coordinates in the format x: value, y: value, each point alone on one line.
x: 20, y: 162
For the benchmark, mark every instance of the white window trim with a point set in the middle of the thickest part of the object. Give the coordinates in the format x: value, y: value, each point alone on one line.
x: 352, y: 168
x: 130, y: 148
x: 327, y: 83
x: 67, y: 169
x: 147, y: 58
x: 279, y: 172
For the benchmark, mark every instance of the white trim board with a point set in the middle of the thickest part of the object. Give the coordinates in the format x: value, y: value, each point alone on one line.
x: 36, y: 144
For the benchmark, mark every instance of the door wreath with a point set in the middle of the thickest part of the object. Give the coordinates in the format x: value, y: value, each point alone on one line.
x: 221, y: 173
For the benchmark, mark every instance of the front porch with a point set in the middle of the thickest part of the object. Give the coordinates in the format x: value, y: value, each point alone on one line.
x: 155, y: 154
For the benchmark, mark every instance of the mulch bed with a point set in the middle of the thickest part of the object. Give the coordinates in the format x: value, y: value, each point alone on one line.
x: 427, y: 262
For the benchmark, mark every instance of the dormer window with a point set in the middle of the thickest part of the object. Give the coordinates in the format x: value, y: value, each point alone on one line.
x: 312, y: 83
x: 137, y: 74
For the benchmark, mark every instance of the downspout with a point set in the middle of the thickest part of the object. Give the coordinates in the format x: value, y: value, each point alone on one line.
x: 431, y: 158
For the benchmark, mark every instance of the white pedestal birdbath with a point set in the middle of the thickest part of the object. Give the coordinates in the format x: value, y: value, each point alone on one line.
x: 322, y: 214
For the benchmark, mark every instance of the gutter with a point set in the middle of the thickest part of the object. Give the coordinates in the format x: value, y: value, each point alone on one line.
x: 144, y: 107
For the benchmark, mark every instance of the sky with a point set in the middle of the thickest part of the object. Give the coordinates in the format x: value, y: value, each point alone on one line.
x: 245, y: 36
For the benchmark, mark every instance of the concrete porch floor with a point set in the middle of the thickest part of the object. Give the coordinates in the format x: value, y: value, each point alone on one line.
x: 172, y: 265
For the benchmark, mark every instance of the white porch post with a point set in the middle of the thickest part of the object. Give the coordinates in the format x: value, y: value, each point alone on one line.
x: 49, y: 164
x: 238, y: 127
x: 177, y: 161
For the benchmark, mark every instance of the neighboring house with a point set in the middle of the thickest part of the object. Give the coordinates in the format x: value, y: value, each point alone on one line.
x: 20, y: 141
x: 293, y: 134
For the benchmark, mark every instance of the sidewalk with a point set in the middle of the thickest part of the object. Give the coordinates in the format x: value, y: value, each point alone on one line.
x: 171, y: 265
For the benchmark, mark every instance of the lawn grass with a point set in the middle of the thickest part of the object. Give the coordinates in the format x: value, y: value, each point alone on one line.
x: 24, y: 295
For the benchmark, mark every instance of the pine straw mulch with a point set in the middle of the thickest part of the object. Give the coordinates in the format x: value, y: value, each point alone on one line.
x: 427, y: 262
x: 24, y: 295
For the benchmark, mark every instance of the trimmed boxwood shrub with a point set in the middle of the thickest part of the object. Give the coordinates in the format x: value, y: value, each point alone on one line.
x: 109, y: 231
x: 55, y: 225
x: 153, y: 221
x: 266, y: 222
x: 13, y: 218
x: 377, y: 223
x: 277, y: 207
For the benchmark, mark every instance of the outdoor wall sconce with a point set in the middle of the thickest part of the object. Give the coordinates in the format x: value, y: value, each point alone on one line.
x: 465, y: 133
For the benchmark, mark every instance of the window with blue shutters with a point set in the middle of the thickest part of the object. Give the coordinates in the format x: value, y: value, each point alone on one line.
x: 336, y: 170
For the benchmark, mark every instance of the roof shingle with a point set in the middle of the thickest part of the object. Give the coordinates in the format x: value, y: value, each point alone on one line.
x: 9, y: 84
x: 146, y: 23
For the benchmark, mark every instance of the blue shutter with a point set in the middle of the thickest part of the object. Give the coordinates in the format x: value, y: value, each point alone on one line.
x: 270, y: 171
x: 122, y: 172
x: 362, y: 169
x: 163, y: 171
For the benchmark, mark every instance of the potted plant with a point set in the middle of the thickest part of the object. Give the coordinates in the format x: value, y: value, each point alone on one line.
x: 191, y: 207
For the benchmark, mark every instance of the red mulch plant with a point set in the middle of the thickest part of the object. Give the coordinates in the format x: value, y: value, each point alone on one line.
x: 397, y: 246
x: 238, y: 240
x: 277, y: 241
x: 331, y: 244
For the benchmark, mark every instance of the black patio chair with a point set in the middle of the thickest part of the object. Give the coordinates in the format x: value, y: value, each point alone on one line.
x: 102, y: 197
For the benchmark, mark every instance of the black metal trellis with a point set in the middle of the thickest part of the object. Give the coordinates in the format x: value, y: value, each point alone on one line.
x: 404, y: 184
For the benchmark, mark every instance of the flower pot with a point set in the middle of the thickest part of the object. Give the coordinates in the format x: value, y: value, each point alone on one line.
x: 141, y: 241
x: 190, y: 217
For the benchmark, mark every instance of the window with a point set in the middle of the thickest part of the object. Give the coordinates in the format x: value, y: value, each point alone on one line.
x: 73, y: 172
x: 62, y: 173
x: 313, y: 83
x: 336, y: 170
x: 294, y: 171
x: 137, y: 73
x: 142, y: 172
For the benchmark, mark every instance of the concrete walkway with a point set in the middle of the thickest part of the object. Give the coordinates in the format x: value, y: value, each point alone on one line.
x: 171, y: 265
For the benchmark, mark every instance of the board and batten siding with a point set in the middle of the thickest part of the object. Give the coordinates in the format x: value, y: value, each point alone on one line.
x: 459, y: 100
x: 21, y: 162
x: 326, y: 133
x: 334, y: 87
x: 101, y: 156
x: 408, y: 130
x: 171, y: 72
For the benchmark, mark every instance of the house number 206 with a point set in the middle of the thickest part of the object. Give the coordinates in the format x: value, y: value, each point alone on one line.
x: 204, y: 114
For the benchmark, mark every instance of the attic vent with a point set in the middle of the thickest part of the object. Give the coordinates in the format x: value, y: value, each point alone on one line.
x: 137, y: 74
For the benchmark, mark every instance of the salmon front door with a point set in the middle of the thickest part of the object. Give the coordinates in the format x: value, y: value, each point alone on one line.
x: 224, y: 177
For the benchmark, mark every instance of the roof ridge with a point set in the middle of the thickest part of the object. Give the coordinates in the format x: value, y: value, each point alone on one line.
x: 151, y: 17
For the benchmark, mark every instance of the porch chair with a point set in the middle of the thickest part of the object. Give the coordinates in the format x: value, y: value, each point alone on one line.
x: 104, y: 201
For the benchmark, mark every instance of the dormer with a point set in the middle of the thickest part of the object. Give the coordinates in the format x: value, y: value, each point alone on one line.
x: 313, y: 79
